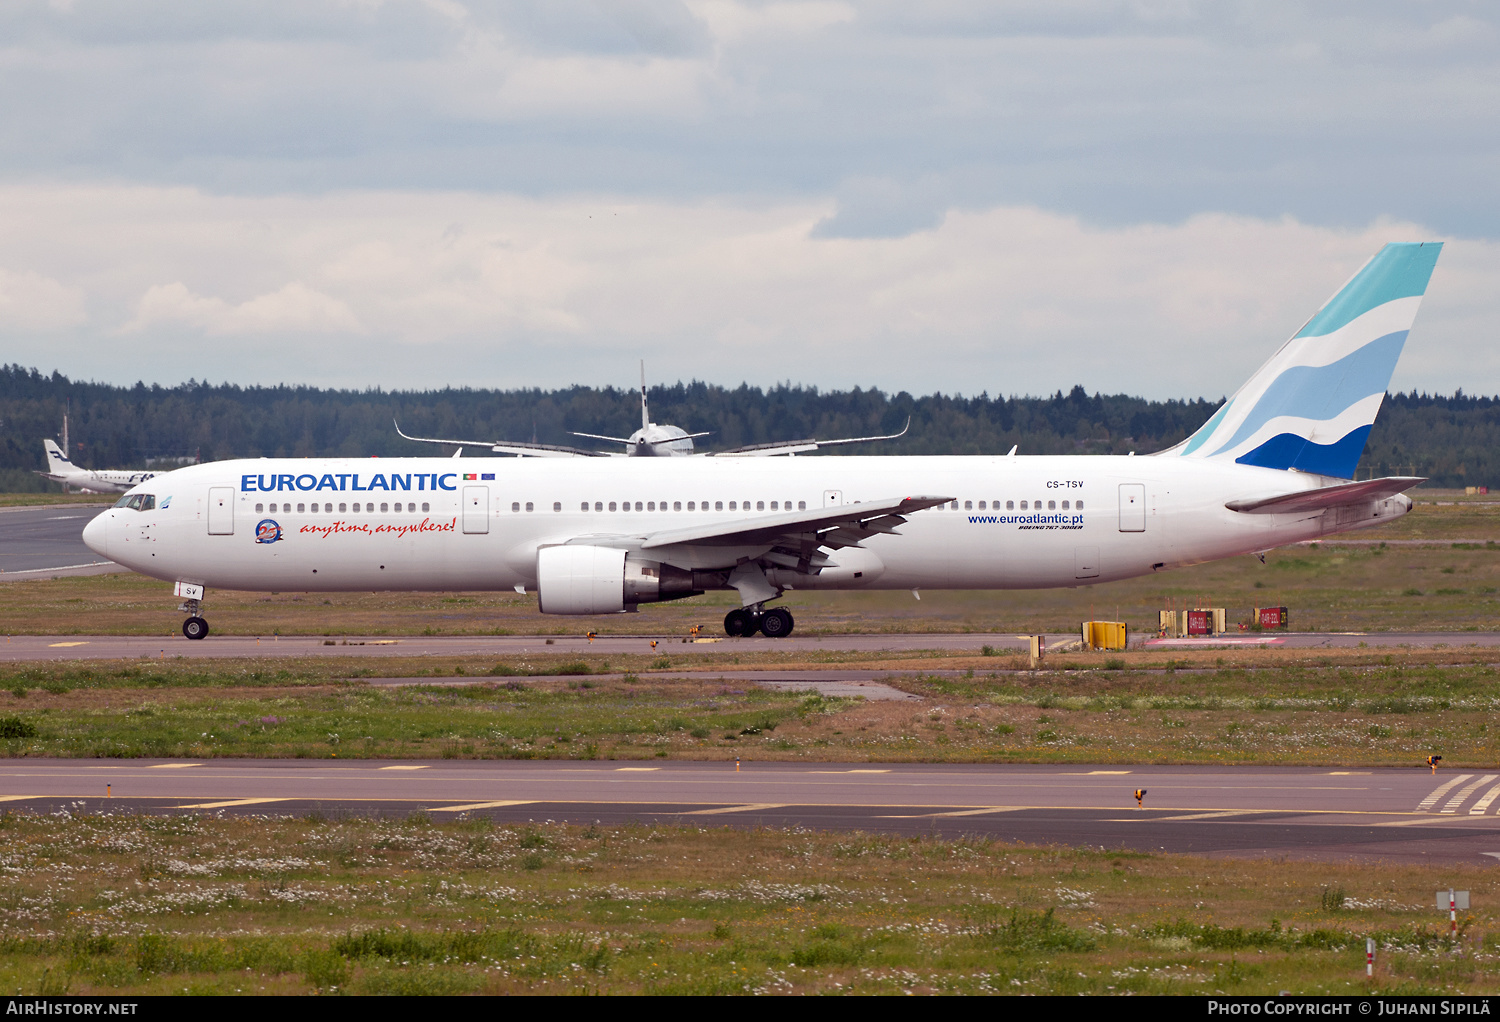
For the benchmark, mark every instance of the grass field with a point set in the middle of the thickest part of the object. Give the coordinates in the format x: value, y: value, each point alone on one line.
x: 1446, y: 587
x: 1361, y: 708
x: 198, y: 905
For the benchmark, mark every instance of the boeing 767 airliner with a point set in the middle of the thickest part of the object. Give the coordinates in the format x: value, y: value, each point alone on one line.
x: 1273, y: 466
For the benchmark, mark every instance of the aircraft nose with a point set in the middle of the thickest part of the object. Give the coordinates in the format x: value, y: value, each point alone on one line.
x: 96, y: 534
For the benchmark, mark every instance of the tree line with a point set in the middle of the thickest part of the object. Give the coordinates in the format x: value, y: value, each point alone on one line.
x: 1453, y: 439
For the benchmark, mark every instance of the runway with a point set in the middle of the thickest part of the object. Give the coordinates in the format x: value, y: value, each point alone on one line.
x: 1396, y: 815
x: 171, y: 643
x: 37, y: 542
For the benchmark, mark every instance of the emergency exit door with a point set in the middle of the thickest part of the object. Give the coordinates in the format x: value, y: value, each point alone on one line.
x: 1132, y: 507
x: 476, y: 509
x: 221, y: 510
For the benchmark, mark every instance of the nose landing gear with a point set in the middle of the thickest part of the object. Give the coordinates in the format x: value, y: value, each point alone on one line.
x: 776, y: 623
x: 194, y: 627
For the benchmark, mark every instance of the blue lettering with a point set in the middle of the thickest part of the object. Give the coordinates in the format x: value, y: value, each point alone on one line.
x: 421, y: 480
x: 286, y: 483
x: 343, y: 481
x: 327, y: 483
x: 311, y: 484
x: 400, y: 482
x: 378, y: 483
x: 442, y: 481
x: 355, y: 484
x: 246, y: 484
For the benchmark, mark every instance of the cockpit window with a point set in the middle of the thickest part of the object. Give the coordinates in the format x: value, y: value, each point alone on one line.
x: 138, y: 501
x: 148, y: 502
x: 125, y: 500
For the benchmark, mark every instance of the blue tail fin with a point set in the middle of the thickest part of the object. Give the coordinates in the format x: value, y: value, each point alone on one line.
x: 1311, y: 406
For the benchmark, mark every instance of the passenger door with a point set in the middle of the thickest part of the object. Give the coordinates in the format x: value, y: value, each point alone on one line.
x: 1132, y: 507
x: 476, y: 510
x: 221, y: 511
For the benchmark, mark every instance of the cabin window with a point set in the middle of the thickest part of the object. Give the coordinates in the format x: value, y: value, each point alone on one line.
x: 760, y: 505
x: 704, y: 506
x: 409, y: 507
x: 625, y: 506
x: 1023, y: 505
x: 732, y: 507
x: 650, y: 505
x: 801, y: 505
x: 1051, y: 505
x: 968, y: 505
x: 425, y: 506
x: 981, y: 505
x: 598, y: 505
x: 677, y: 505
x: 515, y: 506
x: 557, y: 505
x: 637, y: 505
x: 301, y: 509
x: 383, y: 508
x: 773, y: 505
x: 611, y: 505
x: 343, y: 509
x: 1036, y: 505
x: 584, y: 506
x: 718, y: 505
x: 259, y: 508
x: 529, y: 507
x: 952, y: 507
x: 1010, y: 505
x: 1078, y: 506
x: 1065, y: 505
x: 690, y: 505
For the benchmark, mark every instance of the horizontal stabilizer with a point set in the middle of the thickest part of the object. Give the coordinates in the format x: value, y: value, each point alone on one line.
x: 1325, y: 496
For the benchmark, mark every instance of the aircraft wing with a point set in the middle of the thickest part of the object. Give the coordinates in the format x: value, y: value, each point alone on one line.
x: 841, y: 525
x: 800, y: 446
x: 511, y: 447
x: 1325, y: 496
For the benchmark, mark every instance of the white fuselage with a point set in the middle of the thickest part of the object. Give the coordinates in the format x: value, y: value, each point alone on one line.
x: 420, y: 524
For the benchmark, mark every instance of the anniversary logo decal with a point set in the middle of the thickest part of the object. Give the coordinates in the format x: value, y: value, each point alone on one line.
x: 267, y: 531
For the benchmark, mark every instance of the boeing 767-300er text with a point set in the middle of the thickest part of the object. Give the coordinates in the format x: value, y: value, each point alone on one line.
x: 1272, y: 466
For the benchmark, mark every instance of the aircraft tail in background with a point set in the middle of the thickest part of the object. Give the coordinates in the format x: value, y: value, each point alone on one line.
x: 1311, y: 406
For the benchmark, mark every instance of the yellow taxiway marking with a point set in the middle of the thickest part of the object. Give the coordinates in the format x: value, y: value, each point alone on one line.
x: 1423, y: 819
x: 1349, y: 773
x: 848, y: 771
x: 17, y: 798
x: 635, y: 770
x: 54, y: 645
x: 233, y: 802
x: 172, y: 766
x: 1466, y: 791
x: 1096, y: 773
x: 482, y: 805
x: 980, y: 812
x: 1214, y: 816
x: 423, y: 767
x: 735, y: 809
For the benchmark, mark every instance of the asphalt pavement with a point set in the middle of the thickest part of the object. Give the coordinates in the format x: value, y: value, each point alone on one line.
x: 1395, y: 815
x: 42, y: 541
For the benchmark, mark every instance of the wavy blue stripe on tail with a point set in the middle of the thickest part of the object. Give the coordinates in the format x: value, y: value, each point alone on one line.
x: 1311, y: 406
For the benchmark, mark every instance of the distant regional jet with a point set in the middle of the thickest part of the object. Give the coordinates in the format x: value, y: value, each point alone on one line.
x: 61, y: 470
x: 1274, y: 465
x: 650, y: 441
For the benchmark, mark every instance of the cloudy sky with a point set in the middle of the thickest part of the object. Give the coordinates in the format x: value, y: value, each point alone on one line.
x: 1145, y: 197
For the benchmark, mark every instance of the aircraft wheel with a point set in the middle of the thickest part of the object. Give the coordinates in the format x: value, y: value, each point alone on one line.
x: 195, y: 628
x: 734, y: 622
x: 776, y: 623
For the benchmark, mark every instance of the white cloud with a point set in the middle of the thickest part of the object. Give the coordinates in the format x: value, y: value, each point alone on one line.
x: 430, y: 289
x: 32, y: 302
x: 294, y: 309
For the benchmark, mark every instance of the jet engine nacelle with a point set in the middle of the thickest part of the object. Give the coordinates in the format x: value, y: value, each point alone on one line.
x: 579, y: 579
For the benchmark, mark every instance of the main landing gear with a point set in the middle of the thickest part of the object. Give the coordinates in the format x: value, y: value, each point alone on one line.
x: 776, y: 623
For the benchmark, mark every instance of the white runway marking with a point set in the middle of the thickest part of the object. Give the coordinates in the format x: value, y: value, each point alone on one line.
x: 1441, y: 790
x: 1466, y: 791
x: 1483, y: 804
